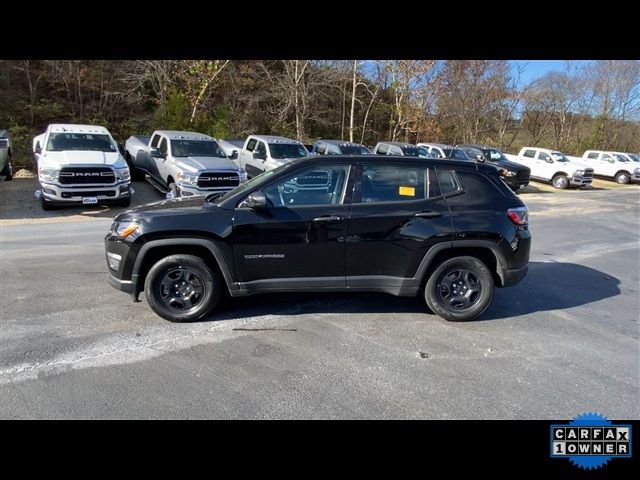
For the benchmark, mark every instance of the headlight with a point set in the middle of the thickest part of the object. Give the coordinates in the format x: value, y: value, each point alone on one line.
x: 243, y: 175
x: 188, y: 178
x: 48, y: 174
x: 125, y: 230
x: 579, y: 172
x: 508, y: 173
x: 122, y: 174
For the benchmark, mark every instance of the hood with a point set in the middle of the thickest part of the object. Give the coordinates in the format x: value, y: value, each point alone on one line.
x: 79, y: 157
x: 516, y: 167
x: 577, y: 165
x: 173, y: 206
x: 194, y: 164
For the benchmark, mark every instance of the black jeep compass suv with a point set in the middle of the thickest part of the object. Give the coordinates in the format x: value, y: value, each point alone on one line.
x: 448, y: 230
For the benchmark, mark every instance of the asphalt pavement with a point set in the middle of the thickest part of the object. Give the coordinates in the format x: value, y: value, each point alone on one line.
x: 563, y: 342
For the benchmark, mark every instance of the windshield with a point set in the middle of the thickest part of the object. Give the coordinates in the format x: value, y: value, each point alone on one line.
x: 80, y: 141
x: 559, y: 157
x: 287, y: 150
x: 493, y: 155
x: 457, y: 154
x: 196, y: 148
x: 415, y: 152
x: 634, y: 157
x: 354, y: 150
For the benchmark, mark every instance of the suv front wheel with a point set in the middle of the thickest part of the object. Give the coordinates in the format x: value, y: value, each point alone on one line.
x: 182, y: 288
x: 460, y: 289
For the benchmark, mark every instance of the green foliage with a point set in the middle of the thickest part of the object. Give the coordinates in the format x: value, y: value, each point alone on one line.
x: 174, y: 114
x: 216, y: 123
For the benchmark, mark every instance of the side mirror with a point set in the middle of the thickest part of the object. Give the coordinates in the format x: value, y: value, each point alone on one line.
x: 255, y: 201
x: 259, y: 155
x: 611, y: 160
x: 155, y: 152
x: 549, y: 160
x: 480, y: 158
x: 38, y: 149
x: 234, y: 155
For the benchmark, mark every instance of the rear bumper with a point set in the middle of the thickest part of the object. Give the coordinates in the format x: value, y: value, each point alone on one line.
x: 514, y: 276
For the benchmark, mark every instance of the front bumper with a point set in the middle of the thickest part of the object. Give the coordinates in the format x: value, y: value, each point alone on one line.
x: 122, y: 285
x: 186, y: 190
x: 52, y: 193
x: 580, y: 180
x: 636, y: 176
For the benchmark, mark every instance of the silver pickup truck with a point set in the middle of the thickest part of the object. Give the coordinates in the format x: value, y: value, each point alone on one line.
x: 6, y: 168
x: 182, y: 163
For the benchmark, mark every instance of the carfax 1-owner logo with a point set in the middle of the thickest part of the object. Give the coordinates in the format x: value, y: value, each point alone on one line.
x: 590, y: 441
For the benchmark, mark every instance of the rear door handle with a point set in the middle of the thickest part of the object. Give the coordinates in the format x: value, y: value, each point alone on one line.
x: 428, y: 214
x: 328, y: 218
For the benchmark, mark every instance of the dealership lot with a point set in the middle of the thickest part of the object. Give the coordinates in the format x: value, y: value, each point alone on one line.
x: 562, y: 342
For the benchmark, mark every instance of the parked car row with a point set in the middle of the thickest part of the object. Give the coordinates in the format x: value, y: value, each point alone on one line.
x: 84, y: 164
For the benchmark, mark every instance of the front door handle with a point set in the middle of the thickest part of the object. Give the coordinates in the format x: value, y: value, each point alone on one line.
x: 428, y: 214
x: 328, y: 218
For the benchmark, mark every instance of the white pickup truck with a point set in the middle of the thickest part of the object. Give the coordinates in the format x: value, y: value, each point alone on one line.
x: 80, y: 164
x: 6, y: 150
x: 182, y: 163
x: 262, y: 153
x: 553, y: 166
x: 610, y: 165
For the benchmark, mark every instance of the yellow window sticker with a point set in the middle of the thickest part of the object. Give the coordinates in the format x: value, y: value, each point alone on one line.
x: 407, y: 191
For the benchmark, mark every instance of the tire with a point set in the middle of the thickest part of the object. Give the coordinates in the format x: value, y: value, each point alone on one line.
x: 197, y: 293
x: 46, y: 206
x: 623, y: 178
x: 124, y: 203
x: 560, y: 181
x: 136, y: 175
x: 7, y: 171
x: 474, y: 275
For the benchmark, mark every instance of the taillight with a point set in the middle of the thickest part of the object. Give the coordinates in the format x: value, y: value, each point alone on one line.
x: 519, y: 216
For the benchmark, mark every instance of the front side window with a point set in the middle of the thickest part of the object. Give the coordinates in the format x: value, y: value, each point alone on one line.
x: 318, y: 185
x: 354, y: 150
x: 544, y: 156
x: 529, y: 153
x: 80, y: 141
x: 394, y: 183
x: 251, y: 145
x: 163, y: 146
x: 261, y: 149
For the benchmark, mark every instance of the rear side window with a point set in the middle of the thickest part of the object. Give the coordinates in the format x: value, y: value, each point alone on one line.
x: 251, y: 145
x: 394, y: 183
x: 593, y: 155
x: 447, y: 180
x: 529, y: 153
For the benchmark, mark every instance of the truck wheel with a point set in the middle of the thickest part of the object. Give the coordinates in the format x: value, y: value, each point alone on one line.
x: 560, y: 181
x: 7, y: 171
x: 460, y: 289
x: 182, y: 288
x: 623, y: 178
x: 124, y: 203
x: 46, y: 206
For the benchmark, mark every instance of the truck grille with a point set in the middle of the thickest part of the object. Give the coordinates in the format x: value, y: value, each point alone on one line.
x: 218, y: 180
x: 316, y: 178
x: 588, y: 173
x: 523, y: 175
x: 87, y: 175
x: 4, y: 142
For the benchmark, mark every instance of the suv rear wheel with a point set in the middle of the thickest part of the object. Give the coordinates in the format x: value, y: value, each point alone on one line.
x: 460, y: 289
x: 182, y: 288
x: 623, y: 178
